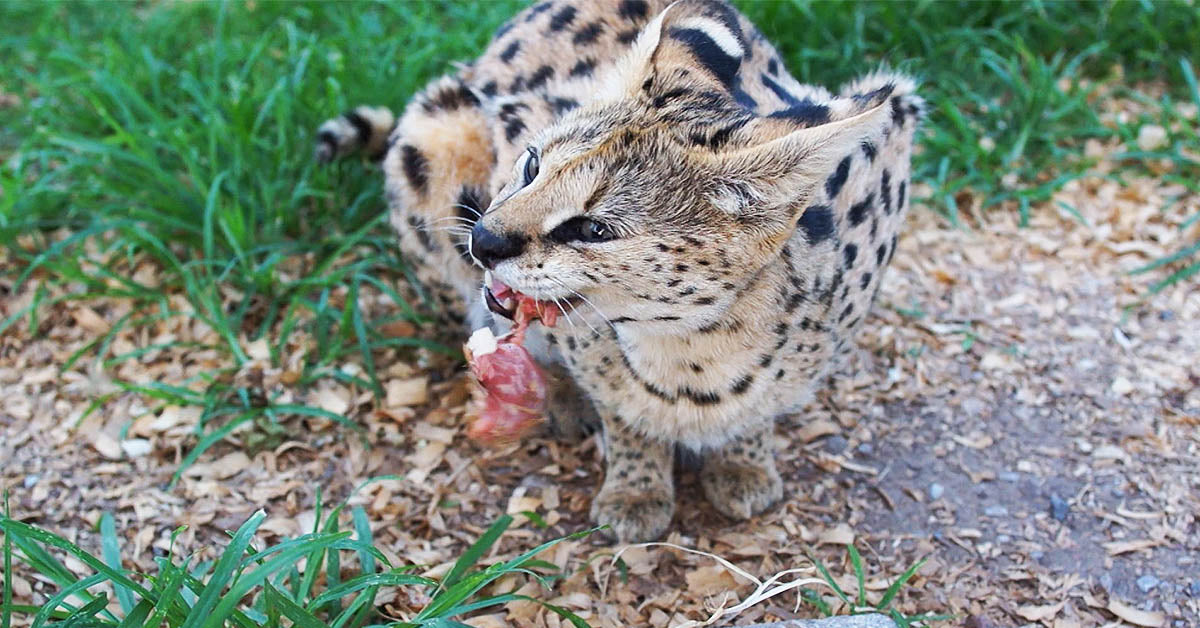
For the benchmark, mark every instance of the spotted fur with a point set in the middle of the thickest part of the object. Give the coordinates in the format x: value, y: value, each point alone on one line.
x: 753, y: 219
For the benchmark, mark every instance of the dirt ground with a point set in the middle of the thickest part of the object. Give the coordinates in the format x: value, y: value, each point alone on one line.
x: 1008, y: 420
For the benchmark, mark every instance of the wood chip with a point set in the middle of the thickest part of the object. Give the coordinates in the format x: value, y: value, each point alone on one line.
x: 1149, y: 619
x: 335, y: 400
x: 407, y: 392
x: 1116, y: 548
x: 1040, y: 613
x: 840, y: 535
x: 816, y: 429
x: 136, y: 447
x: 107, y: 446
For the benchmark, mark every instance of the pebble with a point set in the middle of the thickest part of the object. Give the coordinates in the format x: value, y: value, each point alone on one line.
x: 1106, y: 581
x: 1194, y: 588
x: 996, y: 511
x: 1003, y: 538
x: 936, y: 490
x: 1146, y: 583
x: 866, y: 449
x: 1059, y: 508
x: 836, y: 444
x: 31, y: 479
x: 1151, y: 137
x: 1009, y: 476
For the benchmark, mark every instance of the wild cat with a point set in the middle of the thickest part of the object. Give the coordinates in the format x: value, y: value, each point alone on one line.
x: 715, y: 230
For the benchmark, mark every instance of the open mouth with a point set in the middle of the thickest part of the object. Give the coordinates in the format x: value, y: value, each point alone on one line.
x: 516, y: 306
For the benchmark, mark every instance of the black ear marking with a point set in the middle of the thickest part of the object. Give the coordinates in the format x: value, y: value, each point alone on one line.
x: 817, y: 223
x: 508, y: 53
x: 633, y: 10
x: 860, y: 210
x: 715, y: 59
x: 588, y: 34
x: 562, y: 19
x: 583, y: 67
x: 540, y: 77
x: 416, y: 167
x: 833, y: 185
x: 805, y: 112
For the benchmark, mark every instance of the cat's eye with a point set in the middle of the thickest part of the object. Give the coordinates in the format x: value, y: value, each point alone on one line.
x: 580, y: 229
x: 532, y: 164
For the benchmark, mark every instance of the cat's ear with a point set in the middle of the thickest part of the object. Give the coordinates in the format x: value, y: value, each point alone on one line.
x: 692, y: 44
x: 773, y: 176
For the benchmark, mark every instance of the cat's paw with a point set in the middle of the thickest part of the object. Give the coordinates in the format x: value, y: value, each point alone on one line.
x: 741, y: 491
x: 633, y: 516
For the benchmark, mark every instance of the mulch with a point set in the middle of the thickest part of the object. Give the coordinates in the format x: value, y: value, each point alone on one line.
x: 1023, y: 415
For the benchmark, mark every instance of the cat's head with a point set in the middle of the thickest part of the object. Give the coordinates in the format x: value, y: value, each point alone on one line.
x: 665, y: 196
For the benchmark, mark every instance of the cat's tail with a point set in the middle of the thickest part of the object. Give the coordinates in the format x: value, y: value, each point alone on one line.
x: 363, y: 128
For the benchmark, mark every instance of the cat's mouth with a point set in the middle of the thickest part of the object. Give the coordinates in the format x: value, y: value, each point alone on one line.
x: 504, y: 301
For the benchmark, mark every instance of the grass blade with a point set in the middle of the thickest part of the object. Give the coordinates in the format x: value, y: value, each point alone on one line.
x: 202, y: 611
x: 286, y: 607
x: 6, y: 613
x: 856, y: 562
x: 112, y: 555
x: 476, y: 551
x: 832, y: 583
x: 894, y: 588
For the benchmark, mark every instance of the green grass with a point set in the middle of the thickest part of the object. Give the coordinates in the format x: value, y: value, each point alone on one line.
x: 327, y: 578
x: 300, y: 580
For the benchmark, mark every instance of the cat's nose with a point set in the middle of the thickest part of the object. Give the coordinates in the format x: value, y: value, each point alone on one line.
x: 490, y: 248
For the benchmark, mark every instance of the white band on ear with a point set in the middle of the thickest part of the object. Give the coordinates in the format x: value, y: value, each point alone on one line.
x: 721, y: 36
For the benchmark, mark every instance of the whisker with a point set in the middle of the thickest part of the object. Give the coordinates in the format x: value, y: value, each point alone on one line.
x: 585, y: 320
x: 598, y: 311
x: 461, y: 219
x: 477, y: 213
x: 567, y: 316
x: 585, y: 300
x: 456, y: 229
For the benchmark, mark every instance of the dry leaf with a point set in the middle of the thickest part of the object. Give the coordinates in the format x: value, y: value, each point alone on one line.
x: 333, y: 400
x: 1116, y: 548
x: 816, y: 429
x: 107, y: 446
x: 487, y: 621
x: 398, y: 329
x: 425, y: 431
x: 1040, y: 613
x: 639, y: 560
x: 710, y: 580
x: 407, y: 392
x: 230, y: 465
x: 136, y: 447
x: 518, y: 504
x: 90, y: 320
x: 976, y: 441
x: 1150, y: 619
x: 259, y: 349
x: 841, y: 535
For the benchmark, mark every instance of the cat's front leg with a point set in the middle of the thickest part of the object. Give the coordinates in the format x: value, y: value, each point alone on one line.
x: 740, y: 479
x: 637, y: 500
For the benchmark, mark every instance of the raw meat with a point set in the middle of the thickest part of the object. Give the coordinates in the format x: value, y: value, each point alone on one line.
x: 511, y: 385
